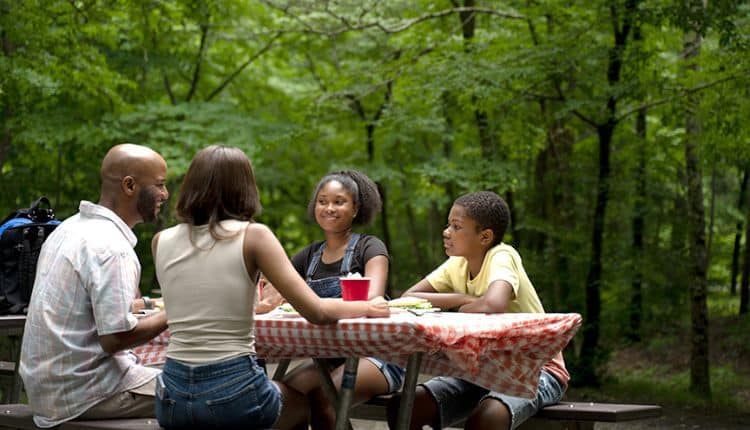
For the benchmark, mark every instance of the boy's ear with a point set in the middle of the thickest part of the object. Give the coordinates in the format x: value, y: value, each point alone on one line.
x: 487, y: 236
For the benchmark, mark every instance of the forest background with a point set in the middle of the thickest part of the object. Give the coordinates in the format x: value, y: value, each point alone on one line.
x: 617, y: 131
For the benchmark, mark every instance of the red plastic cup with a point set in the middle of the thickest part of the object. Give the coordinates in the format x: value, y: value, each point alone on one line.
x: 355, y: 288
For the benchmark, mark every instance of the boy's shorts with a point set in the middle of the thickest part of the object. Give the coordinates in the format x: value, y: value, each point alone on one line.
x: 457, y: 398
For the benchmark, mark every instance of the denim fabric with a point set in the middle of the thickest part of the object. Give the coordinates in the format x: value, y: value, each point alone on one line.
x: 393, y: 374
x: 330, y: 287
x: 457, y: 398
x: 231, y: 394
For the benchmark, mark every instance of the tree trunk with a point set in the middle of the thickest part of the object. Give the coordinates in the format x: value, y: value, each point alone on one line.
x: 711, y: 216
x: 446, y: 102
x: 370, y: 140
x: 590, y: 354
x: 468, y: 26
x: 589, y: 360
x: 413, y: 231
x: 486, y: 138
x: 514, y: 231
x: 700, y: 382
x: 745, y: 285
x: 536, y: 239
x: 6, y: 136
x: 636, y: 296
x: 738, y: 233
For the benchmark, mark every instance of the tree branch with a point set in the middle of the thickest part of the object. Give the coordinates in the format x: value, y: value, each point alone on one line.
x: 584, y: 118
x: 198, y: 61
x: 242, y: 67
x: 372, y: 88
x: 684, y: 93
x: 403, y: 26
x: 168, y: 87
x: 386, y: 101
x: 314, y: 71
x: 356, y: 105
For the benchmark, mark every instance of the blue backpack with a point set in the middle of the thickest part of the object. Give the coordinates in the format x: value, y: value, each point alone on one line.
x: 21, y: 236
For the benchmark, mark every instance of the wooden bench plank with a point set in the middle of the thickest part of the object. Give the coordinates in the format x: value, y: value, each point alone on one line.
x: 375, y: 409
x: 7, y: 368
x: 121, y: 423
x: 584, y: 413
x: 18, y: 416
x: 604, y: 412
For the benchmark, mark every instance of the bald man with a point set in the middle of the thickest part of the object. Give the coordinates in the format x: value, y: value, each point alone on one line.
x: 75, y: 361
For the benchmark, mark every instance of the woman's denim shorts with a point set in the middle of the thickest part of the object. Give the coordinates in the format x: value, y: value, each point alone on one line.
x: 234, y: 393
x: 457, y: 398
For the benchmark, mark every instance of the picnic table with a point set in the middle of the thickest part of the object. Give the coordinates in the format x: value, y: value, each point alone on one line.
x: 501, y: 352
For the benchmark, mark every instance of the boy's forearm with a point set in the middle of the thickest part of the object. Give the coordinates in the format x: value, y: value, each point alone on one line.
x: 478, y: 306
x: 444, y: 300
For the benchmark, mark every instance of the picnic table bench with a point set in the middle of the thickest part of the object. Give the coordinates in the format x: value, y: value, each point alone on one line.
x: 565, y: 415
x: 18, y: 416
x: 562, y: 416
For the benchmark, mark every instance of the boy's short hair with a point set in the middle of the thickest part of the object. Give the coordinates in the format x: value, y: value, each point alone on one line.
x: 488, y: 210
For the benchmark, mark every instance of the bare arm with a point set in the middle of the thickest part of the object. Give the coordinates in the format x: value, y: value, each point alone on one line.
x: 377, y: 269
x: 494, y: 300
x: 263, y: 251
x: 140, y: 304
x: 147, y: 328
x: 424, y: 290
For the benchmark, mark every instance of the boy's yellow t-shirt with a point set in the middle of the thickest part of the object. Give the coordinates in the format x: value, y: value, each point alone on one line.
x: 501, y: 262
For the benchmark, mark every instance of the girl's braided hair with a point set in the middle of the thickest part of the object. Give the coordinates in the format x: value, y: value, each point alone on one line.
x: 363, y: 190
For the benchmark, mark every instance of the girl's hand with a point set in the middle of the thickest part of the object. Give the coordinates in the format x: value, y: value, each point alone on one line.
x: 378, y: 308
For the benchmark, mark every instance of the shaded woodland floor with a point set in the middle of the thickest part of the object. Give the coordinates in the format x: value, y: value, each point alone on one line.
x: 656, y: 371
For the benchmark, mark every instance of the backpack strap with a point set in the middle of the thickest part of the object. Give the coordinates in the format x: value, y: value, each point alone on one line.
x: 38, y: 213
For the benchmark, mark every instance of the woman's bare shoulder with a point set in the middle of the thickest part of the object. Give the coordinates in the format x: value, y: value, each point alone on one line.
x: 258, y: 232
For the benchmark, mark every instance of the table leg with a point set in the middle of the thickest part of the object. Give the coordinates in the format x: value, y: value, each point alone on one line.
x: 407, y: 393
x: 347, y: 392
x: 328, y: 387
x: 281, y: 369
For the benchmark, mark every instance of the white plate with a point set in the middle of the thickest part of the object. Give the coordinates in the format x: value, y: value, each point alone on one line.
x: 284, y: 314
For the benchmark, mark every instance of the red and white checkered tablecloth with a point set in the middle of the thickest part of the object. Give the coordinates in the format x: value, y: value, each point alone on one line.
x: 502, y: 352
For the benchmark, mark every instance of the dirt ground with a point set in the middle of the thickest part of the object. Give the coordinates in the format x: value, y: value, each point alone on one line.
x: 679, y: 419
x: 673, y: 419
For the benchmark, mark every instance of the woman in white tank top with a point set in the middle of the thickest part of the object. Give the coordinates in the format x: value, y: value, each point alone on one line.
x: 206, y: 269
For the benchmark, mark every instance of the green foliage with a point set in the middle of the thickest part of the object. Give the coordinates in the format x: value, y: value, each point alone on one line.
x: 399, y: 90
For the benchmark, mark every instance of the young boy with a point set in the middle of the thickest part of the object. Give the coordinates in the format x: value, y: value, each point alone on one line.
x: 482, y: 274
